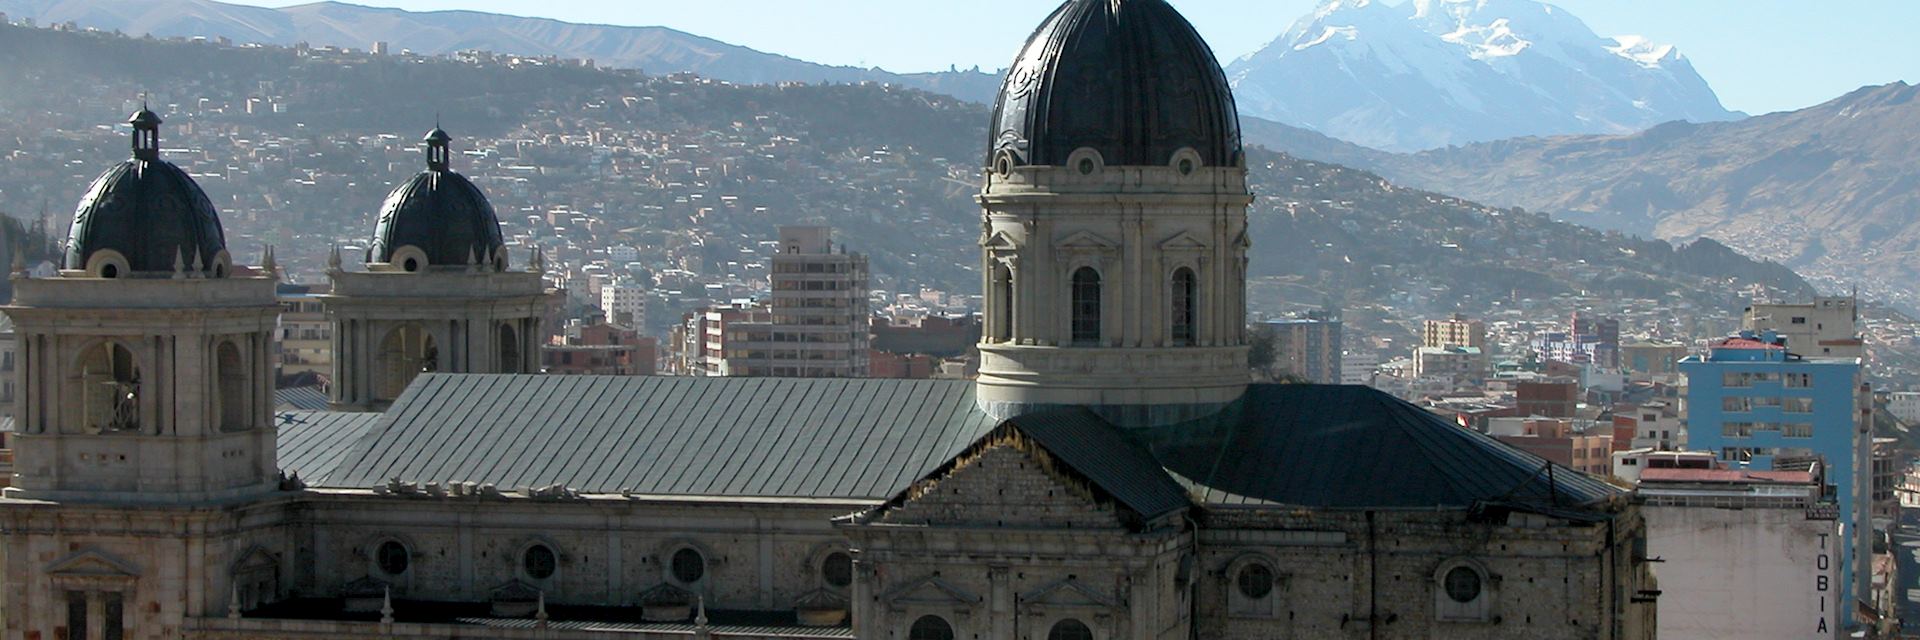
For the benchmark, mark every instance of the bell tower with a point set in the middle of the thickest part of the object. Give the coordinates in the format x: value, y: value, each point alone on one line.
x: 435, y: 292
x: 1114, y: 238
x: 146, y: 362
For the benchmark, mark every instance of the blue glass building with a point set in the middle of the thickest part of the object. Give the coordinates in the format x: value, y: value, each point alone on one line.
x: 1753, y: 402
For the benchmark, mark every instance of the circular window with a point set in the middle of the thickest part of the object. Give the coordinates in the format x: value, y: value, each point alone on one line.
x: 391, y: 557
x: 688, y: 566
x: 110, y: 271
x: 1463, y: 584
x: 1070, y: 629
x: 410, y: 265
x: 1255, y: 581
x: 539, y: 562
x: 837, y: 569
x: 1186, y: 166
x: 1086, y: 166
x: 930, y: 628
x: 1003, y: 166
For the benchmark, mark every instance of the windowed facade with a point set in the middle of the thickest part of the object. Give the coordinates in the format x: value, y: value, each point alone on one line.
x: 1184, y: 304
x: 1085, y: 309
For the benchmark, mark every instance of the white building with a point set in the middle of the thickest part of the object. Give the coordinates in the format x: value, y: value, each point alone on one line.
x: 1904, y: 405
x: 624, y: 302
x: 1358, y: 367
x: 1744, y: 554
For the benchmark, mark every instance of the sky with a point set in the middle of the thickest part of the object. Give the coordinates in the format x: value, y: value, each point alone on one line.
x: 1758, y: 55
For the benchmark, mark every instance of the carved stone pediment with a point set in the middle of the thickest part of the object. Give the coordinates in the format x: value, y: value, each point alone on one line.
x: 1183, y: 241
x: 1069, y: 593
x: 1000, y: 241
x: 92, y: 570
x: 1085, y: 242
x: 930, y: 591
x: 256, y: 558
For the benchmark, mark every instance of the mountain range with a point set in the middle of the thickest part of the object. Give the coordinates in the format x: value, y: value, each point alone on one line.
x: 1432, y: 73
x: 696, y: 172
x: 1424, y: 74
x: 657, y: 50
x: 1832, y: 190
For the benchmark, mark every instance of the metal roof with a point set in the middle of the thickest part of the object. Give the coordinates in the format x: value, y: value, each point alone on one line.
x: 1346, y: 447
x: 743, y: 437
x: 1097, y: 450
x: 300, y: 399
x: 312, y: 443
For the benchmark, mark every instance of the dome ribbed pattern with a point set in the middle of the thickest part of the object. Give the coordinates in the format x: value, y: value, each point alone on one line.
x: 1129, y: 78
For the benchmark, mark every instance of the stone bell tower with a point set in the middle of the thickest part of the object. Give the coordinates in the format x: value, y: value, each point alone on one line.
x: 1114, y: 240
x: 436, y: 293
x: 147, y: 361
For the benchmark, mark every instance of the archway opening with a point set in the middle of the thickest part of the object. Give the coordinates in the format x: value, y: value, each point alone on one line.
x: 509, y: 350
x: 406, y: 352
x: 110, y: 388
x: 232, y: 387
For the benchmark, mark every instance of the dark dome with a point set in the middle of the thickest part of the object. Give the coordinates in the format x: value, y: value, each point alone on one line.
x: 439, y: 211
x: 1129, y: 78
x: 146, y: 209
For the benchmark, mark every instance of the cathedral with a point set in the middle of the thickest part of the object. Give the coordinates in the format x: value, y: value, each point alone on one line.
x: 1112, y: 474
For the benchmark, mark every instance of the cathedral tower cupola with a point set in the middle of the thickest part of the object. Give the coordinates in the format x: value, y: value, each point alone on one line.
x: 435, y: 294
x: 147, y: 361
x: 146, y: 217
x: 1114, y: 243
x: 437, y: 219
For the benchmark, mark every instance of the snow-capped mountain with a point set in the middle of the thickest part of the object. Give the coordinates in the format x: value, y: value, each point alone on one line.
x: 1432, y: 73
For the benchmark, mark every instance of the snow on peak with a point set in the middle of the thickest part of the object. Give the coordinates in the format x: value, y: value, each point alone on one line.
x: 1494, y: 40
x: 1642, y: 51
x: 1348, y: 33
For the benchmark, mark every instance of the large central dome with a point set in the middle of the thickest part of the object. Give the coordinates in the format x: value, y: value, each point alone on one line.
x: 1128, y: 78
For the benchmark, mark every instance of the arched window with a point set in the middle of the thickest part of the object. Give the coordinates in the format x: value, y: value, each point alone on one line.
x: 1255, y: 581
x: 1002, y: 303
x: 930, y: 628
x: 1086, y: 306
x: 407, y: 351
x: 509, y: 349
x: 1070, y: 629
x: 688, y: 566
x: 1183, y: 306
x: 539, y: 562
x: 233, y: 388
x: 392, y: 558
x: 110, y: 388
x: 837, y: 569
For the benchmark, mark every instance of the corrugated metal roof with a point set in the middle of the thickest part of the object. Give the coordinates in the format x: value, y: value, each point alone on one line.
x: 312, y: 443
x: 758, y: 437
x: 1345, y: 446
x: 1097, y: 450
x: 300, y: 399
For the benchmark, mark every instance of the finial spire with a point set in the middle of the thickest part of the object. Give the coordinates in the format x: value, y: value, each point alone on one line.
x: 437, y: 141
x: 146, y: 133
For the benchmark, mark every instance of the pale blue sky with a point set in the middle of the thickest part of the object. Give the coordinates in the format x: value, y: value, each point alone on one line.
x: 1759, y: 55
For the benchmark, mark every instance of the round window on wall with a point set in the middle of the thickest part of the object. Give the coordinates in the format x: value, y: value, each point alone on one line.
x: 688, y: 567
x: 539, y: 562
x: 837, y: 569
x: 930, y: 628
x: 1463, y: 584
x: 1070, y: 629
x: 1255, y: 581
x: 392, y: 558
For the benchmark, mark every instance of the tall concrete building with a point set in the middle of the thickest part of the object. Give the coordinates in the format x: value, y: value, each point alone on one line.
x: 1308, y: 348
x: 1456, y: 330
x: 624, y: 302
x: 821, y: 324
x: 1760, y: 405
x: 1113, y: 475
x: 1828, y: 327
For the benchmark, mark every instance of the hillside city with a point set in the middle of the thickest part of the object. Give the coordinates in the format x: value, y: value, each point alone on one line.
x: 689, y: 227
